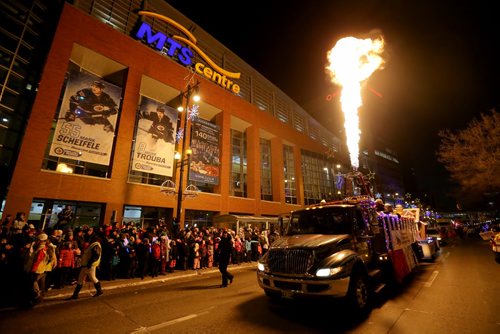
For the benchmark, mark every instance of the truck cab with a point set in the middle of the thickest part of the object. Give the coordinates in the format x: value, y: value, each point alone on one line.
x: 328, y: 250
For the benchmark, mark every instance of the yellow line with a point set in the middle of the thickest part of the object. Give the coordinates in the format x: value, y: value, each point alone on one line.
x: 428, y: 284
x: 171, y: 322
x: 172, y: 22
x: 207, y: 58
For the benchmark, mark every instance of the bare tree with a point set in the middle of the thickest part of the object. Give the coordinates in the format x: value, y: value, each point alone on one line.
x: 472, y: 156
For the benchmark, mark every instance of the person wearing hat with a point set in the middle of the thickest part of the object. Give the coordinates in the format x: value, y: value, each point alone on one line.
x: 37, y: 262
x: 92, y: 106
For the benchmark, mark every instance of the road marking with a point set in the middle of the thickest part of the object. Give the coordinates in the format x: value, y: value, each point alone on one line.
x: 428, y: 284
x: 171, y: 322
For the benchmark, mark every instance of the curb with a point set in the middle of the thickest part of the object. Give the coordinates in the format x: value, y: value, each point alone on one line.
x: 125, y: 283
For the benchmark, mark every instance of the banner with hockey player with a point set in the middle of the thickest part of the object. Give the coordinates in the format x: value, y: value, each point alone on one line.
x: 154, y: 146
x: 87, y: 119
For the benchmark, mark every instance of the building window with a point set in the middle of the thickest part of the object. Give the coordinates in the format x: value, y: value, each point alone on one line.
x: 238, y: 181
x: 318, y: 178
x: 266, y: 189
x: 289, y: 169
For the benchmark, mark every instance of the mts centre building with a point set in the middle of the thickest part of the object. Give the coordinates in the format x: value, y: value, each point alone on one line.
x: 105, y: 135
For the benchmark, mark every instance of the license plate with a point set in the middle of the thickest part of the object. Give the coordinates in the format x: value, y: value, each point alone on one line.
x: 287, y: 294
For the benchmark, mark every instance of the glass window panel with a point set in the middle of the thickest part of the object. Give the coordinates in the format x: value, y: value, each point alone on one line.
x: 238, y: 186
x: 9, y: 42
x: 266, y: 191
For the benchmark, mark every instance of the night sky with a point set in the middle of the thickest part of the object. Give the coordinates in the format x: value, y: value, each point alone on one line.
x: 442, y: 63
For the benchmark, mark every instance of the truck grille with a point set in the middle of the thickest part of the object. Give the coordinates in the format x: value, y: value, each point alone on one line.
x: 290, y: 261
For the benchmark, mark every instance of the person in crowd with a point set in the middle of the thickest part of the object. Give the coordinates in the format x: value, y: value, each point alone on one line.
x: 183, y: 249
x: 196, y: 255
x: 155, y: 258
x: 224, y: 251
x: 64, y: 218
x: 19, y: 223
x: 90, y: 261
x: 273, y: 236
x: 203, y: 254
x: 210, y: 252
x: 133, y: 263
x: 143, y: 249
x: 115, y: 264
x: 264, y: 242
x: 164, y: 253
x: 6, y: 224
x: 66, y: 263
x: 255, y: 245
x: 173, y: 256
x: 238, y: 250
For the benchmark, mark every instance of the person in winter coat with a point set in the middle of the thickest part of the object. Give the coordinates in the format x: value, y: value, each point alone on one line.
x: 224, y: 251
x: 91, y: 259
x: 66, y: 263
x: 155, y: 258
x: 173, y: 256
x: 36, y: 266
x: 165, y: 253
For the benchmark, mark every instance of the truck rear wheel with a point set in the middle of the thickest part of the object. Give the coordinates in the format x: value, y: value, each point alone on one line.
x: 358, y: 293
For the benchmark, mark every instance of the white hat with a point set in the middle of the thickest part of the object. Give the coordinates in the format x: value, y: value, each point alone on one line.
x: 42, y: 237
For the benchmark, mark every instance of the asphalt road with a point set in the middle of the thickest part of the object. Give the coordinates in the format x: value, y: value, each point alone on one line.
x: 457, y: 293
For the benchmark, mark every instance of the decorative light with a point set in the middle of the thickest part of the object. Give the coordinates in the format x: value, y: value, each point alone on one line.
x: 179, y: 135
x: 193, y: 112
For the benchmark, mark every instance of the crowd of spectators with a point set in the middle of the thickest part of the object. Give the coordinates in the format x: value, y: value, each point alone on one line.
x: 128, y: 251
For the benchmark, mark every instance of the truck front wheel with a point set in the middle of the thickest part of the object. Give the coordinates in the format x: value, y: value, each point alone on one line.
x: 358, y: 293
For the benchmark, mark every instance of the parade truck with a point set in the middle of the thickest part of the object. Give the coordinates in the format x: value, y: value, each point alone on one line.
x: 342, y: 249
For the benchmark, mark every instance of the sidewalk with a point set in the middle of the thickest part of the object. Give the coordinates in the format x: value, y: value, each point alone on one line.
x: 88, y: 288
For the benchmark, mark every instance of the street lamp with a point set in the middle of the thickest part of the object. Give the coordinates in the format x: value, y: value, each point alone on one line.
x: 169, y: 187
x: 191, y: 92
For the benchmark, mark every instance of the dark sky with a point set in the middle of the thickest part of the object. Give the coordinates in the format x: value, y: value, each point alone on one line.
x: 442, y: 69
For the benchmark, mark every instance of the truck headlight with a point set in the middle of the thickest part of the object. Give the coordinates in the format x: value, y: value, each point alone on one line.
x: 261, y: 266
x: 327, y: 272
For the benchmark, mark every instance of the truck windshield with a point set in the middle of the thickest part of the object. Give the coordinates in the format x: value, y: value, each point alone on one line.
x: 332, y: 220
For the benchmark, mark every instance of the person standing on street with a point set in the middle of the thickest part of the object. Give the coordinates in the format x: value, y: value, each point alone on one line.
x: 225, y: 250
x: 90, y: 261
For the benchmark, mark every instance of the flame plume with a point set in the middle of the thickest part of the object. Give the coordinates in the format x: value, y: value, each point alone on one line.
x: 352, y: 62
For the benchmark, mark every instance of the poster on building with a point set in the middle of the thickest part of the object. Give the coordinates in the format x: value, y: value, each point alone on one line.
x: 205, y: 160
x: 86, y: 121
x: 154, y: 145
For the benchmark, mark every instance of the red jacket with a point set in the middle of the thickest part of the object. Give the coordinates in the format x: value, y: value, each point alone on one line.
x: 66, y: 258
x: 156, y: 251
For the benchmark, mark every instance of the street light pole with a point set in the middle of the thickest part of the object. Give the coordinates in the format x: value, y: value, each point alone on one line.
x: 184, y: 160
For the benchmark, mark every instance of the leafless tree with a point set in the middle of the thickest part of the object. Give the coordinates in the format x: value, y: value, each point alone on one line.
x: 472, y: 156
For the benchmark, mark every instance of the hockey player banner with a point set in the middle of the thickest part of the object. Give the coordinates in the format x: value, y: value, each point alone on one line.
x: 154, y: 146
x: 87, y: 119
x: 205, y: 160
